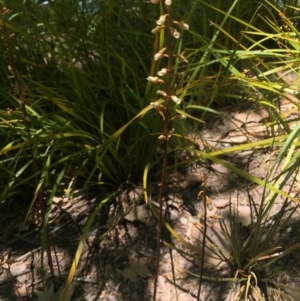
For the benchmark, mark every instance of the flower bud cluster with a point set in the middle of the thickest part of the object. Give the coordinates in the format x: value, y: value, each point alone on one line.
x: 164, y: 23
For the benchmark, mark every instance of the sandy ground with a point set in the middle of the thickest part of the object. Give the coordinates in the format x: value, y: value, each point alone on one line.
x: 120, y: 265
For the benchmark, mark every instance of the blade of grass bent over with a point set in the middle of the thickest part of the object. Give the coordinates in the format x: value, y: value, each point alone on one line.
x: 81, y: 244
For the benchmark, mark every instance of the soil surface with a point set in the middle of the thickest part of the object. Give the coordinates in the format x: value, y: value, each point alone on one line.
x: 118, y: 263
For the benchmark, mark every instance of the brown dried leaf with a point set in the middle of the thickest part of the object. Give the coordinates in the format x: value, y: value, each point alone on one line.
x: 137, y: 267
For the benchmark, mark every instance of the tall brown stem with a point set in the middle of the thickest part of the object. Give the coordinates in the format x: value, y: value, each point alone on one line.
x: 202, y: 195
x: 165, y: 145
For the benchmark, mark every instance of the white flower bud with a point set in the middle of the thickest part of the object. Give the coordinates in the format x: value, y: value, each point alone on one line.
x: 175, y: 33
x: 162, y: 19
x: 163, y: 137
x: 182, y: 25
x: 162, y: 72
x: 155, y: 104
x: 162, y: 93
x: 176, y: 99
x: 160, y: 108
x: 157, y: 29
x: 159, y: 54
x: 168, y: 2
x: 154, y: 79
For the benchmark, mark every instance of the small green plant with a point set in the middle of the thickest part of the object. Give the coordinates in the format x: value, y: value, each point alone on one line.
x: 260, y: 251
